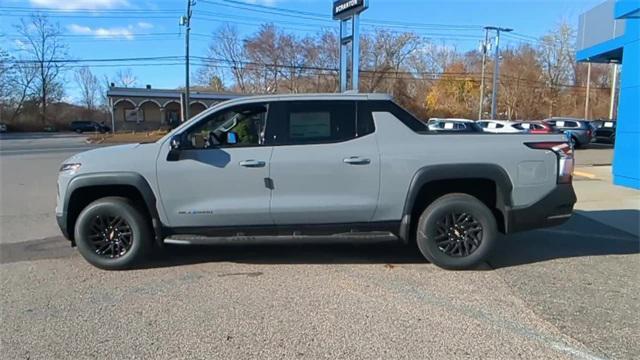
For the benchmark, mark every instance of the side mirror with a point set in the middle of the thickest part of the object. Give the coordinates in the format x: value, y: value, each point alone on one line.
x: 175, y: 144
x: 232, y: 138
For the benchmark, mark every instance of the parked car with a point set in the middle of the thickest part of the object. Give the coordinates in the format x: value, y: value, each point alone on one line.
x: 578, y: 131
x: 3, y: 128
x: 313, y: 164
x: 453, y: 125
x: 596, y: 124
x: 534, y: 127
x: 89, y: 126
x: 499, y: 126
x: 606, y: 133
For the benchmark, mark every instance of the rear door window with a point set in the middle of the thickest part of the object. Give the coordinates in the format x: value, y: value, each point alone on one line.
x: 309, y: 122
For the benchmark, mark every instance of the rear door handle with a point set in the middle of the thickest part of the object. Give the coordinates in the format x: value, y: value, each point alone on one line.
x: 252, y: 163
x: 356, y: 160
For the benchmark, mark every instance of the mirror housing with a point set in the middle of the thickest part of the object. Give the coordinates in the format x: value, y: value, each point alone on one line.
x: 232, y: 138
x: 175, y: 144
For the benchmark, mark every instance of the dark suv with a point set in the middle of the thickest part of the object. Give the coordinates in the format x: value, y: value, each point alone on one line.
x: 606, y: 132
x: 91, y: 126
x: 578, y: 131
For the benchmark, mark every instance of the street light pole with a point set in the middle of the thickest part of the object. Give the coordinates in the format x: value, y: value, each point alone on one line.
x: 484, y: 62
x: 496, y: 69
x: 186, y: 22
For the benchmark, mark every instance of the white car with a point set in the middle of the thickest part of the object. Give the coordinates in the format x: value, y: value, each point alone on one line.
x: 452, y: 125
x: 500, y: 126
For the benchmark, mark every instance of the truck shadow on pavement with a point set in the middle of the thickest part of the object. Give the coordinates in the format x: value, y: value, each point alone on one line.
x: 579, y: 237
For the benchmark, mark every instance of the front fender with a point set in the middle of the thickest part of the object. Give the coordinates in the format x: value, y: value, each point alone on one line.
x: 133, y: 179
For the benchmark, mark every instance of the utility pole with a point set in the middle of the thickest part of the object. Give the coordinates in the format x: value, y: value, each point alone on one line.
x: 586, y: 100
x: 484, y: 62
x: 186, y: 22
x: 496, y: 69
x: 614, y: 83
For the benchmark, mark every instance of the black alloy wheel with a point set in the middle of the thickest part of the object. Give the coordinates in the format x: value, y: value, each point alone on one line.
x: 111, y: 236
x: 114, y: 233
x: 456, y: 231
x: 458, y: 234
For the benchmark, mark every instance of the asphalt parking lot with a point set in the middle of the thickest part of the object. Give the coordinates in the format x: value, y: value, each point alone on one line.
x: 566, y: 292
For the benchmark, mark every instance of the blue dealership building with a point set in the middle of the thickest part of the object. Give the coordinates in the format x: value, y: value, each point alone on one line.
x: 610, y: 33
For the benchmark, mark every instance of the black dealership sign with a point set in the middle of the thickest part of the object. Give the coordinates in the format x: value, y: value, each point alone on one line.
x: 343, y: 9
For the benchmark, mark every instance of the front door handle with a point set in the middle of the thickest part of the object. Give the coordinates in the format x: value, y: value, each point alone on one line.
x: 356, y: 160
x: 252, y: 163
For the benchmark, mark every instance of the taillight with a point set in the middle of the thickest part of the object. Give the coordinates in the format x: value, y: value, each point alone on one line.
x: 564, y: 152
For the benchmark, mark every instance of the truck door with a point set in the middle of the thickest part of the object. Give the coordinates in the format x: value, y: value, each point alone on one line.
x: 325, y: 166
x: 219, y: 177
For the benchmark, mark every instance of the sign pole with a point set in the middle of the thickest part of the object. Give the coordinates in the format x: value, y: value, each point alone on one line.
x: 343, y: 56
x: 355, y: 52
x: 345, y: 11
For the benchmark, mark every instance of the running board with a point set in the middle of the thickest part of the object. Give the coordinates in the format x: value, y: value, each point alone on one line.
x: 203, y: 240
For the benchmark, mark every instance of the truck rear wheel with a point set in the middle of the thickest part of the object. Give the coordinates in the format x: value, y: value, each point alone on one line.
x: 112, y: 234
x: 456, y: 231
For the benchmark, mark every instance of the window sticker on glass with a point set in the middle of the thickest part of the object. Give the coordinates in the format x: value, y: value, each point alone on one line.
x: 448, y: 125
x: 560, y: 123
x: 608, y: 124
x: 526, y: 126
x: 309, y: 125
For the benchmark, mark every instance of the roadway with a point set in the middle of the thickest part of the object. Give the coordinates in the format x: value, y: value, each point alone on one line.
x: 567, y: 292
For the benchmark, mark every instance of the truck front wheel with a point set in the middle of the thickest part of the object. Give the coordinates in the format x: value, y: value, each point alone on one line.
x: 112, y: 234
x: 456, y: 231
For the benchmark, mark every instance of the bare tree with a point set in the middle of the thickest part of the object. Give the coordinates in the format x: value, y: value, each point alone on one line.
x: 226, y: 51
x: 125, y: 78
x: 89, y: 87
x: 556, y: 56
x: 22, y: 88
x: 43, y: 49
x: 16, y: 85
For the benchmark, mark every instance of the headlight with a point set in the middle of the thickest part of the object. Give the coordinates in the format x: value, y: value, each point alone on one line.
x: 70, y: 167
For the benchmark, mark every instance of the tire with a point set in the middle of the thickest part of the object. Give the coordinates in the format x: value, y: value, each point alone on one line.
x: 120, y: 247
x: 576, y: 144
x: 457, y: 249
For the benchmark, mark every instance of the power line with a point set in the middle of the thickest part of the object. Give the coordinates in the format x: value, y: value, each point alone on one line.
x: 46, y: 9
x: 327, y: 18
x: 228, y: 64
x: 23, y: 61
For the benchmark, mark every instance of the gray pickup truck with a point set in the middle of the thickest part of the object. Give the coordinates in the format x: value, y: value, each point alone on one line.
x: 322, y: 164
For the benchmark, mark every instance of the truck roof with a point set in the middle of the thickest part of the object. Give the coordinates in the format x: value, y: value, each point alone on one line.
x: 317, y: 96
